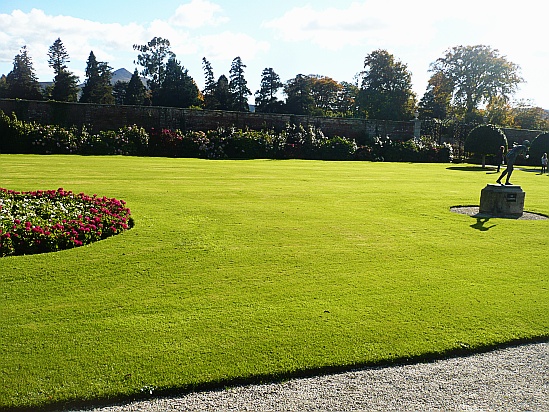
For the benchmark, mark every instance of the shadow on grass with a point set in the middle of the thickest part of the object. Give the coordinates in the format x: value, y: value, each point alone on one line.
x: 470, y: 169
x: 480, y: 225
x: 463, y: 351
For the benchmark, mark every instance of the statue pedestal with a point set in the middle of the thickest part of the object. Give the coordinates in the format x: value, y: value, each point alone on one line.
x: 502, y: 200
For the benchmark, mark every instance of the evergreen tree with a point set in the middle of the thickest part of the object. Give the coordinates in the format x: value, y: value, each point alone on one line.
x: 298, y: 95
x: 222, y: 93
x: 65, y: 87
x: 97, y: 87
x: 119, y: 91
x: 58, y: 56
x: 21, y: 82
x: 135, y: 92
x: 238, y: 86
x: 3, y: 86
x: 178, y: 89
x: 65, y: 83
x: 209, y: 87
x: 266, y: 100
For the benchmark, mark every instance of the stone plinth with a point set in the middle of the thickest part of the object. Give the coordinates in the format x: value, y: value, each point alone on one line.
x: 502, y: 200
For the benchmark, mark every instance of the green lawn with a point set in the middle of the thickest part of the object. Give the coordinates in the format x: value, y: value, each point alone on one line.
x: 238, y: 270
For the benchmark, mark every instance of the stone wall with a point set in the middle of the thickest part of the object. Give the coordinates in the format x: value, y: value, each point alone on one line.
x: 111, y: 117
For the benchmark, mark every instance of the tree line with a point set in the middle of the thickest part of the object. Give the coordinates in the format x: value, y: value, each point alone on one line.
x: 469, y: 83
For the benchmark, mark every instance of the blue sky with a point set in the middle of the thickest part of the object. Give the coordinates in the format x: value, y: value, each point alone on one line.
x: 329, y: 38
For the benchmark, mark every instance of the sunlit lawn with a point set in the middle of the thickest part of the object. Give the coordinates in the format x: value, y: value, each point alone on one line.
x: 249, y: 270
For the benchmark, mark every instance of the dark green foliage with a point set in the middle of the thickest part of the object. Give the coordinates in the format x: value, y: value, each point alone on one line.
x: 298, y: 95
x: 210, y: 102
x: 127, y: 141
x: 65, y: 87
x: 152, y: 58
x: 436, y: 102
x: 485, y: 139
x: 119, y: 91
x: 222, y: 97
x: 21, y: 82
x: 49, y: 139
x: 65, y: 83
x: 337, y: 148
x: 3, y: 86
x: 165, y: 143
x: 294, y: 142
x: 135, y: 91
x: 266, y: 100
x: 178, y: 88
x: 423, y: 151
x: 476, y: 75
x: 540, y: 145
x: 386, y: 88
x: 13, y: 134
x: 97, y: 87
x: 303, y: 143
x: 238, y: 86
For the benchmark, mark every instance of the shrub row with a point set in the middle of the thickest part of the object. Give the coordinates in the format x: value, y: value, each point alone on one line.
x: 294, y: 142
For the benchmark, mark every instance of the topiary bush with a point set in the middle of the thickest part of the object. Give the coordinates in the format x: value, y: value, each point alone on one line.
x: 540, y: 145
x: 484, y: 140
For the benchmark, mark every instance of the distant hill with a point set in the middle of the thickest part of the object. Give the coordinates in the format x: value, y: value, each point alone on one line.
x: 120, y: 75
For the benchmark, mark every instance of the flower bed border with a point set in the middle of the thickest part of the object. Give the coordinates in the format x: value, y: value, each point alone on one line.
x: 100, y: 217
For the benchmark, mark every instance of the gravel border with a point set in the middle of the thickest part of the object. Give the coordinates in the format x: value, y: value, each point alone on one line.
x: 473, y: 211
x: 509, y: 379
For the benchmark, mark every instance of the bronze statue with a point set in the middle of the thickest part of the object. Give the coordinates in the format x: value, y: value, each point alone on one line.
x: 511, y: 157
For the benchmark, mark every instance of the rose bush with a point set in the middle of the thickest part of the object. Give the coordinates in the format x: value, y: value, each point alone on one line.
x: 52, y: 220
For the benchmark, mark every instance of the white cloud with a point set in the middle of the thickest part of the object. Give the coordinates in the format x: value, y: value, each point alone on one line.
x: 358, y: 24
x: 228, y: 45
x: 113, y: 43
x: 197, y: 13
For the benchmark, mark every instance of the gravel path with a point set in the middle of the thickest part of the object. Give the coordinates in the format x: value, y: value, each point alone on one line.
x: 510, y: 379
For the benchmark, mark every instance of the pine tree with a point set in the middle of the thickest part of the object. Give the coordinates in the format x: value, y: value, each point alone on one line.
x: 97, y: 87
x: 65, y: 83
x: 238, y: 86
x: 135, y: 91
x: 119, y: 91
x: 21, y: 82
x: 222, y: 93
x: 265, y: 98
x: 178, y: 89
x: 3, y: 86
x: 299, y: 99
x: 209, y: 88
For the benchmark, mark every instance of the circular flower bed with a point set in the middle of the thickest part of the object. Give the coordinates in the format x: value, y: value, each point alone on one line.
x: 52, y: 220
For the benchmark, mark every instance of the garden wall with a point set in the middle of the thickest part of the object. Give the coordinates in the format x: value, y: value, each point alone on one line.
x: 99, y: 117
x: 111, y: 117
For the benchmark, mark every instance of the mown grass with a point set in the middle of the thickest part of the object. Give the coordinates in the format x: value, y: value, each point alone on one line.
x: 248, y: 270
